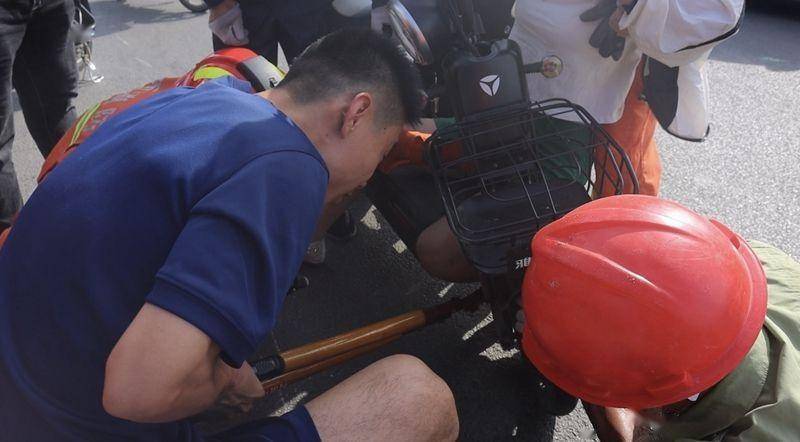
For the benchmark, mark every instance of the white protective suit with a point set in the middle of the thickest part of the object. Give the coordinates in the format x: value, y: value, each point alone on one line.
x: 677, y: 36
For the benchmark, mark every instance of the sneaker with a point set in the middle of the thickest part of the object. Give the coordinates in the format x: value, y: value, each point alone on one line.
x: 315, y: 254
x: 344, y: 228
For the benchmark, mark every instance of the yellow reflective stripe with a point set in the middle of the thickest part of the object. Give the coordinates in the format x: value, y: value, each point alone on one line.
x: 82, y: 122
x: 209, y: 72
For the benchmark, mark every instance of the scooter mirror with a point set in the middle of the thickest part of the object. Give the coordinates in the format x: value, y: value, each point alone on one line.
x: 417, y: 24
x: 549, y: 67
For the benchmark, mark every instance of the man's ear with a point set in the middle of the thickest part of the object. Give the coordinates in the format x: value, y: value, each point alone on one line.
x: 357, y: 111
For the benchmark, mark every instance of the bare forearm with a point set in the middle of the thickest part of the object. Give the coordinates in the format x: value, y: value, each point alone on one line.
x: 611, y: 424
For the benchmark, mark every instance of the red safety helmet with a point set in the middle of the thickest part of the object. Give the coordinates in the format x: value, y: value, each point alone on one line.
x: 634, y: 301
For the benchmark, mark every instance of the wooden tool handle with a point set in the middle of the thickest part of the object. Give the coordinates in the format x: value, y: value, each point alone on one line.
x: 288, y: 377
x: 319, y: 351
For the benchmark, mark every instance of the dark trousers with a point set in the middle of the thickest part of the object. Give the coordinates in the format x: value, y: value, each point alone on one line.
x: 38, y: 60
x: 293, y: 23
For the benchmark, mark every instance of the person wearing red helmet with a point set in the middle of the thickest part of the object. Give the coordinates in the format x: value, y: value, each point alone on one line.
x: 665, y: 323
x: 182, y: 221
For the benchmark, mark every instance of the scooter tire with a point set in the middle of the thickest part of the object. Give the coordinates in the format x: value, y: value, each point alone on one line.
x: 194, y: 5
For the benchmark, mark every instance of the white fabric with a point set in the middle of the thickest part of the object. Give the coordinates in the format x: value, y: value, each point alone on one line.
x: 658, y: 28
x: 661, y: 29
x: 691, y: 120
x: 229, y: 27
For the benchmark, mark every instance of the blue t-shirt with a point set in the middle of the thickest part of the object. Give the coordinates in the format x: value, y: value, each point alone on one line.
x: 201, y: 201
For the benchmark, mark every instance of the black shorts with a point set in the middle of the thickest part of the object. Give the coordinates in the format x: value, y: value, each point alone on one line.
x: 409, y: 200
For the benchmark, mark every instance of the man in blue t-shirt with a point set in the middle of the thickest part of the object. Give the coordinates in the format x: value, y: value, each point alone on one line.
x: 151, y: 263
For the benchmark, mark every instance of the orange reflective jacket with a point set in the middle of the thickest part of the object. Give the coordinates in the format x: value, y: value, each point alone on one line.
x: 241, y: 63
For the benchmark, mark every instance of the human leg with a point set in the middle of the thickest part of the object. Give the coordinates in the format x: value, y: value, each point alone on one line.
x: 635, y: 133
x: 396, y: 398
x: 440, y: 254
x: 12, y: 31
x: 407, y: 197
x: 45, y: 75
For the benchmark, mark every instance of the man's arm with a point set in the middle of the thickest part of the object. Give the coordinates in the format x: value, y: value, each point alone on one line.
x: 611, y: 424
x: 163, y: 369
x: 218, y: 293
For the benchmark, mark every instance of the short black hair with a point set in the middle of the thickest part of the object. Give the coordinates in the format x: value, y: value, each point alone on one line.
x: 356, y: 60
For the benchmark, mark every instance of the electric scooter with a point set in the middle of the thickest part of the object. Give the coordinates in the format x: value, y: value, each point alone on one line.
x: 504, y: 169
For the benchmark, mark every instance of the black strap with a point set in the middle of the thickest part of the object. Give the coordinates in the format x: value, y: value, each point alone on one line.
x: 721, y: 37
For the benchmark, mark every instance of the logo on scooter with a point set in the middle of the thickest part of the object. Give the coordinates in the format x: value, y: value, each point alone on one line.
x: 522, y: 263
x: 490, y: 84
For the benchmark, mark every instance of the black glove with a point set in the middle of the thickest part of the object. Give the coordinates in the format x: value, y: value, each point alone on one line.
x: 604, y: 39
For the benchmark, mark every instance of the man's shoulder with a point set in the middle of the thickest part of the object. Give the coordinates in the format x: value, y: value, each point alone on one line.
x: 783, y: 285
x: 226, y: 126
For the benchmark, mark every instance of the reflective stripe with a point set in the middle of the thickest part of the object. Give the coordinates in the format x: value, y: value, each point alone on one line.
x: 82, y: 122
x: 209, y: 73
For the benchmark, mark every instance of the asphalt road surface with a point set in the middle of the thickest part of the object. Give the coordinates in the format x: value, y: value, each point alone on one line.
x: 747, y: 174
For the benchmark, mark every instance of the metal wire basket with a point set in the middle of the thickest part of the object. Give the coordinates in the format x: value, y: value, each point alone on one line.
x: 505, y: 175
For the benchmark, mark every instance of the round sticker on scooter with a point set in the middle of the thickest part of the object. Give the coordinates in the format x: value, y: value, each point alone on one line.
x: 490, y: 84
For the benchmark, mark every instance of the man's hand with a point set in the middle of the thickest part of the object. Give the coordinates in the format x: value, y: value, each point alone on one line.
x: 225, y: 21
x: 244, y: 390
x: 611, y: 424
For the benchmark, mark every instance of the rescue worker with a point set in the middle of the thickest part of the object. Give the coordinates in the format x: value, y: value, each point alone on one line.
x: 670, y: 320
x: 619, y: 53
x: 614, y: 53
x: 182, y: 222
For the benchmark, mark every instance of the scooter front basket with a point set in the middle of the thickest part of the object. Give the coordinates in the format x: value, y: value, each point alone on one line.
x: 503, y: 176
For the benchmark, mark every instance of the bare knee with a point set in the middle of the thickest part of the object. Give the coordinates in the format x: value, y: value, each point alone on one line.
x: 422, y: 393
x: 440, y: 254
x: 398, y: 397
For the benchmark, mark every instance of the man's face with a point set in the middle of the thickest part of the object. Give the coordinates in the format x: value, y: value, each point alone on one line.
x: 366, y: 147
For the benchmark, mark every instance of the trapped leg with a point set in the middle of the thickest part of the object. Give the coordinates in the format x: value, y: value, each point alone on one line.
x: 440, y: 254
x: 45, y: 75
x: 396, y: 398
x: 12, y: 31
x: 407, y: 197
